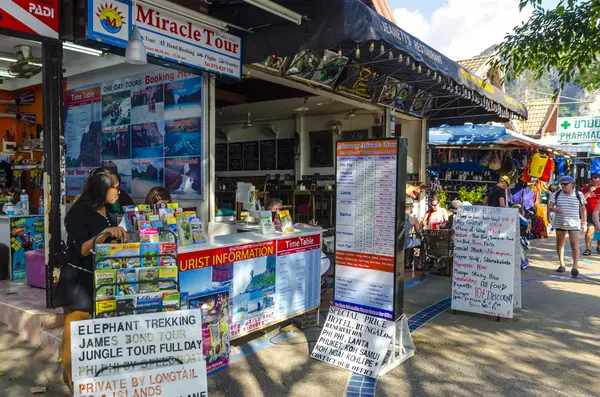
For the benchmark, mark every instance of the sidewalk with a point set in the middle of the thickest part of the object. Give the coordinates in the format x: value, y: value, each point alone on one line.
x: 550, y: 348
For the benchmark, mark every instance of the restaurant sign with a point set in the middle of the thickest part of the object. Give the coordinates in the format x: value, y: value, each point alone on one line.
x: 578, y: 129
x: 166, y: 35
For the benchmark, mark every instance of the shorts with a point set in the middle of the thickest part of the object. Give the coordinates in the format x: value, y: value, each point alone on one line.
x: 590, y: 220
x: 567, y: 230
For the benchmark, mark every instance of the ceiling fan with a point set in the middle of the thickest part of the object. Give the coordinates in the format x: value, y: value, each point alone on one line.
x: 269, y: 129
x: 26, y: 65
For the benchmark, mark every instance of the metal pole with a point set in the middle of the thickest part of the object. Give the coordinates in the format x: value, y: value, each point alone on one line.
x: 54, y: 167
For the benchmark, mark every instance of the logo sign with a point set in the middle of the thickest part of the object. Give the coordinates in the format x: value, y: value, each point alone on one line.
x: 38, y: 17
x: 579, y: 129
x: 166, y: 35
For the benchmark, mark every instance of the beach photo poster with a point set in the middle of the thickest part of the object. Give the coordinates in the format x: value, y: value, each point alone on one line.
x: 116, y: 109
x: 146, y: 174
x: 183, y: 137
x: 147, y: 104
x: 147, y: 140
x: 116, y: 143
x: 183, y: 98
x: 183, y: 176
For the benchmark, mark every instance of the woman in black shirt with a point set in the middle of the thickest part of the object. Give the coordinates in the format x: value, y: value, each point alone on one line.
x: 88, y: 218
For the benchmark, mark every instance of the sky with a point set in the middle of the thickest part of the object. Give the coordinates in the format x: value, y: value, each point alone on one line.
x: 460, y: 29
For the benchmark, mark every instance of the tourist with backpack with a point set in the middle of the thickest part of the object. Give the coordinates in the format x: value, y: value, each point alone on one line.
x: 570, y: 218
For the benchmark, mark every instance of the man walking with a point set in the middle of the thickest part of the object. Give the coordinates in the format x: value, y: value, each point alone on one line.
x: 569, y: 206
x: 591, y: 193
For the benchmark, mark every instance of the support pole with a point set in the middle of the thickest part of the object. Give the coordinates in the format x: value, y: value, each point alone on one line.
x: 54, y: 166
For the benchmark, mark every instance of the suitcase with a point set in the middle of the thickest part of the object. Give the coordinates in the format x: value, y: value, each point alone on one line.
x: 36, y: 268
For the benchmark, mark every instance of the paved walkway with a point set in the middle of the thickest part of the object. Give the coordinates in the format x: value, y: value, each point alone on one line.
x: 550, y: 348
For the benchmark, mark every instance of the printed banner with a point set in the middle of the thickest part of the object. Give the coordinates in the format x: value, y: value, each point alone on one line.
x: 100, y: 343
x: 266, y: 281
x: 579, y: 129
x: 147, y: 128
x: 173, y: 381
x: 166, y: 35
x: 26, y: 242
x: 366, y: 227
x: 38, y: 17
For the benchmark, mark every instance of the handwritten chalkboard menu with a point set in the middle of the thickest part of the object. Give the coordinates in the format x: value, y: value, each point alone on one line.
x: 285, y: 154
x: 486, y: 254
x: 236, y: 156
x: 268, y: 155
x: 221, y: 157
x: 251, y: 156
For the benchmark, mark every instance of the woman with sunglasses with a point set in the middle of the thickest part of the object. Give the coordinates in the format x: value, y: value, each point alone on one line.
x: 88, y: 219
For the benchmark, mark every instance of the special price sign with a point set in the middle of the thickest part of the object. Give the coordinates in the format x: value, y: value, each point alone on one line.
x: 100, y: 343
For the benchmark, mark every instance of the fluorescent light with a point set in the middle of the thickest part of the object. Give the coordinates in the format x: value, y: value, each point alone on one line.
x: 4, y: 73
x: 186, y: 13
x: 82, y: 49
x: 8, y: 59
x: 276, y: 9
x: 35, y: 64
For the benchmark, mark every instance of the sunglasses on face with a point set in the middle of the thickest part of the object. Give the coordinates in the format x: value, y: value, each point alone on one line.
x: 595, y: 177
x: 565, y: 184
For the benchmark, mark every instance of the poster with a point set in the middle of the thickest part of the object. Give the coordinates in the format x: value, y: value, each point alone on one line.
x: 366, y: 226
x: 216, y: 315
x: 134, y: 124
x: 98, y: 343
x: 354, y: 341
x: 266, y: 281
x: 26, y: 236
x: 172, y: 381
x: 486, y: 253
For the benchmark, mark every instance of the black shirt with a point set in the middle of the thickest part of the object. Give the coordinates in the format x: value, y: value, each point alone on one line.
x: 76, y: 287
x: 494, y: 196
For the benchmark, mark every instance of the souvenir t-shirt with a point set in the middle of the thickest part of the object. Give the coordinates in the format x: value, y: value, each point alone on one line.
x: 5, y: 175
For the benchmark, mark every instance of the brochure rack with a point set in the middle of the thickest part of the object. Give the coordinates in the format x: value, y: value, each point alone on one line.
x: 117, y: 284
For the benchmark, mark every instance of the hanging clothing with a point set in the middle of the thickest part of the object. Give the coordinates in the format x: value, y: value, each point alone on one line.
x: 548, y: 169
x: 561, y: 166
x: 523, y: 195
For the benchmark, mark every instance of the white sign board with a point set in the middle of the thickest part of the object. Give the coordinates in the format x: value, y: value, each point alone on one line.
x: 486, y: 253
x: 578, y: 129
x: 99, y: 343
x: 166, y: 35
x: 173, y: 381
x: 354, y: 341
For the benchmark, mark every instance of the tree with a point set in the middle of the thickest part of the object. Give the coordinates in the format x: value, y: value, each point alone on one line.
x: 566, y: 39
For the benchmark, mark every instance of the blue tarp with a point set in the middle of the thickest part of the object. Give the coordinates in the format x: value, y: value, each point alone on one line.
x: 342, y: 24
x: 475, y: 135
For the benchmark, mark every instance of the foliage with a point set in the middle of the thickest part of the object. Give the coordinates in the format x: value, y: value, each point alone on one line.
x: 443, y: 197
x: 566, y: 39
x: 472, y: 196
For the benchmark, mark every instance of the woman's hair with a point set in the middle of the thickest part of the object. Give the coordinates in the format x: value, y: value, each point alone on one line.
x: 96, y: 188
x: 272, y: 203
x: 156, y: 194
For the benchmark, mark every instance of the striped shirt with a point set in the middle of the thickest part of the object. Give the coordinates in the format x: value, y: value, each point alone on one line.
x: 570, y: 218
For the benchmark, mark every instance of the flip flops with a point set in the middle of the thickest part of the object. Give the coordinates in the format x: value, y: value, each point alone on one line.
x: 587, y: 253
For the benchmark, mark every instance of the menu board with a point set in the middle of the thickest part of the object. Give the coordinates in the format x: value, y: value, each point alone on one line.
x: 286, y: 159
x: 236, y: 157
x: 486, y: 254
x: 268, y: 155
x: 267, y: 281
x: 366, y: 226
x: 251, y: 156
x: 221, y: 155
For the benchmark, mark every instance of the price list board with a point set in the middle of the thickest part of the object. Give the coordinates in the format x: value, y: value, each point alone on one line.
x: 366, y: 209
x: 486, y: 254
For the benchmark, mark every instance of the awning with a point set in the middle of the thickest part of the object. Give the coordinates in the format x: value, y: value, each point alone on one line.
x: 357, y: 32
x: 483, y: 136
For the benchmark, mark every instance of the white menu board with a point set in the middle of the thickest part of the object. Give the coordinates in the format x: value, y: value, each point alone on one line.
x: 366, y: 226
x: 486, y: 256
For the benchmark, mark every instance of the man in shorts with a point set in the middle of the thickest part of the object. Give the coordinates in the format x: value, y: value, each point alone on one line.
x: 570, y: 218
x: 591, y: 193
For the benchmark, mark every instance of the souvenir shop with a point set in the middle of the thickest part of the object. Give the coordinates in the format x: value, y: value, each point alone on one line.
x: 466, y: 161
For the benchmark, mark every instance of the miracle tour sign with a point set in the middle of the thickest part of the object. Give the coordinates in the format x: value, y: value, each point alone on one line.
x: 579, y: 129
x: 166, y: 35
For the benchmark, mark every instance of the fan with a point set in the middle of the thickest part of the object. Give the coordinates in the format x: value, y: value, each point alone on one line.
x: 26, y: 66
x: 221, y: 133
x: 335, y: 126
x: 268, y: 129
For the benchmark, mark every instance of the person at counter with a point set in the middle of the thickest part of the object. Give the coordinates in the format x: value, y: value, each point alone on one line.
x: 275, y: 205
x: 437, y: 217
x: 157, y: 195
x: 123, y: 200
x: 86, y: 220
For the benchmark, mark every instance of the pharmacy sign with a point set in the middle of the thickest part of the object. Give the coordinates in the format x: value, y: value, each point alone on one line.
x: 579, y: 129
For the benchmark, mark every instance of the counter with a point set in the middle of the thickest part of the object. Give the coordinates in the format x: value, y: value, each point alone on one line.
x: 265, y: 278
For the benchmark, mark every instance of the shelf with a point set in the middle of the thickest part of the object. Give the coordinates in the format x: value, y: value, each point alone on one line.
x: 468, y: 181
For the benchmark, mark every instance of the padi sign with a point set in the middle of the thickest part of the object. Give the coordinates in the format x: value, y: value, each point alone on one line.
x: 579, y: 129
